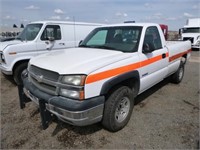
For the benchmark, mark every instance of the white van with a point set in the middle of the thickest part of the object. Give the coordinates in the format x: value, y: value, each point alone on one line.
x: 38, y: 38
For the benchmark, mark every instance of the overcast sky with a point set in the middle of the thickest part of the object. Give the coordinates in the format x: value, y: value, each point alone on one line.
x: 174, y: 13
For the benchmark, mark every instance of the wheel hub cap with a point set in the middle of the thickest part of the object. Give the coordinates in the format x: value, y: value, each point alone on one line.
x: 122, y: 109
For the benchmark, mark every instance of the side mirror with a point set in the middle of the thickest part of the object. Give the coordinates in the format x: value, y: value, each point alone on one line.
x: 147, y: 48
x: 80, y: 42
x: 51, y: 39
x: 180, y: 31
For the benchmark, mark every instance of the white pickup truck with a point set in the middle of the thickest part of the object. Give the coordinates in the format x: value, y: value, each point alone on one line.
x: 98, y: 81
x: 38, y: 38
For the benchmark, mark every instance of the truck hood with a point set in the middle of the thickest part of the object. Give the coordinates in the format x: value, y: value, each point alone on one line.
x: 3, y: 45
x: 194, y: 35
x: 78, y: 60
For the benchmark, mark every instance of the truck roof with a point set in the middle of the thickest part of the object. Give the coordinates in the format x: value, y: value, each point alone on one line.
x: 104, y: 25
x: 132, y: 24
x: 65, y: 22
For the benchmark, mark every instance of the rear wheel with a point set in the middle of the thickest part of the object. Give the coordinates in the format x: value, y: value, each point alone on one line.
x: 18, y: 72
x: 178, y: 75
x: 118, y: 109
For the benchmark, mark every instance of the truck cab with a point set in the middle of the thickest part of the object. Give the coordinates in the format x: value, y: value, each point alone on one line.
x: 38, y: 38
x: 191, y: 31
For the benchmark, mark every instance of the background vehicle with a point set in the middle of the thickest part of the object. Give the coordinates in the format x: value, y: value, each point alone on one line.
x: 165, y: 30
x: 191, y: 31
x: 38, y: 38
x: 115, y: 64
x: 7, y: 39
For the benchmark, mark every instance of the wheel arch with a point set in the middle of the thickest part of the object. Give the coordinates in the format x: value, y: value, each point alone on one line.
x: 184, y: 58
x: 130, y: 79
x: 19, y: 62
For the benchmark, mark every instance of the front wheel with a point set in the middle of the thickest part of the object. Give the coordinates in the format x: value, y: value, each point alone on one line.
x: 18, y: 72
x: 118, y: 109
x: 178, y: 75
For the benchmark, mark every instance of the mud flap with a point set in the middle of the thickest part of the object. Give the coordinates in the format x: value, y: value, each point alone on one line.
x: 23, y: 99
x: 44, y: 114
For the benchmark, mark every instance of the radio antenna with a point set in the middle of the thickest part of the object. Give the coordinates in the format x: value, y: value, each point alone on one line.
x: 74, y: 32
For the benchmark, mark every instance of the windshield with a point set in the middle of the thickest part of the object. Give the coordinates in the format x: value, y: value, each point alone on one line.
x: 30, y: 32
x: 191, y: 30
x: 125, y: 39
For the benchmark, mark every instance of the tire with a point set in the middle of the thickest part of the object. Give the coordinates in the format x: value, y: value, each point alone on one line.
x: 178, y: 75
x: 118, y: 109
x: 18, y: 71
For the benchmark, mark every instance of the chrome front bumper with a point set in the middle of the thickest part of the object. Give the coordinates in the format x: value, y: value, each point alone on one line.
x: 81, y: 115
x: 79, y: 118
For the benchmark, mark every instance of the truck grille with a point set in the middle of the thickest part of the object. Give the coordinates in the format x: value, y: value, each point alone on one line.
x: 44, y: 80
x: 188, y: 38
x: 53, y: 76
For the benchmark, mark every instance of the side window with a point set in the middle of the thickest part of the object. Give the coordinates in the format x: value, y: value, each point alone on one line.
x: 51, y: 31
x: 152, y: 38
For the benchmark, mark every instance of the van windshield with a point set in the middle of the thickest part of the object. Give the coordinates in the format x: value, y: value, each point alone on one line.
x: 191, y: 30
x: 125, y: 39
x: 30, y: 32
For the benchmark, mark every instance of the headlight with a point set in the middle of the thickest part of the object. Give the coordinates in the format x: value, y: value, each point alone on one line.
x: 72, y: 94
x: 74, y: 88
x: 76, y: 80
x: 198, y: 38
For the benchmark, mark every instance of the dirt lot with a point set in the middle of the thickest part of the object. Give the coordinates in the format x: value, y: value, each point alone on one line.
x: 164, y: 117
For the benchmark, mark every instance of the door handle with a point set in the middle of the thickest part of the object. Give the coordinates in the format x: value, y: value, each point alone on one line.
x: 61, y: 43
x: 163, y: 55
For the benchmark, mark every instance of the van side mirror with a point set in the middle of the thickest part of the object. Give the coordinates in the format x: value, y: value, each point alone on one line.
x: 147, y: 48
x: 51, y: 39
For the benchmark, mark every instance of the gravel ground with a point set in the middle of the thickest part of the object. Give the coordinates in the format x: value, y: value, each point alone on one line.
x: 164, y: 117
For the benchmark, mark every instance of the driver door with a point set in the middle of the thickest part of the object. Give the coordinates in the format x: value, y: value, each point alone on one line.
x: 51, y: 39
x: 154, y: 62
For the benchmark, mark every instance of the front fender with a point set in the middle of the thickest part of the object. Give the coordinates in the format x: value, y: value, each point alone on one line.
x: 108, y: 85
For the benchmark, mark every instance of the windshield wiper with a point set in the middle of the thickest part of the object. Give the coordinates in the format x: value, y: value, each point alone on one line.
x: 83, y: 46
x: 104, y: 47
x: 18, y: 38
x: 98, y: 46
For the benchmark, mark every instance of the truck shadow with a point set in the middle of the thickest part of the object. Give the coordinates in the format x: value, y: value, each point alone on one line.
x: 9, y: 78
x: 151, y: 91
x: 85, y: 130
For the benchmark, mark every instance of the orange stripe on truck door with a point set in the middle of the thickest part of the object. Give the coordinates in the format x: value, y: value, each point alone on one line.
x: 116, y: 71
x: 151, y: 60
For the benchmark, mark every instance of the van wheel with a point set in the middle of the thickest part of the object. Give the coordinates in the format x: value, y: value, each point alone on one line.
x: 178, y: 75
x: 18, y: 71
x: 118, y: 109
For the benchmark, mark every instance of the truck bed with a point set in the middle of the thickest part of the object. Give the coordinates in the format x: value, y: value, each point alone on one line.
x: 176, y: 47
